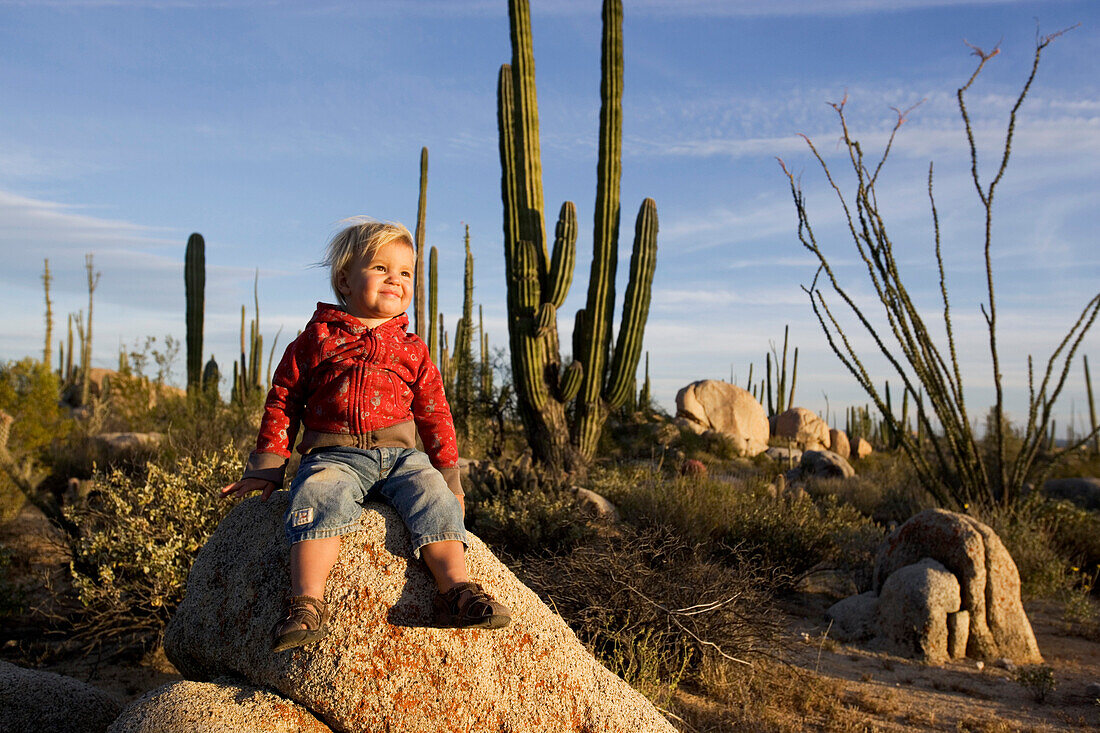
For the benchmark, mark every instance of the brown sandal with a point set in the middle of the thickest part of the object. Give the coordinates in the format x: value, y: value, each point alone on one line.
x: 468, y: 606
x: 307, y: 611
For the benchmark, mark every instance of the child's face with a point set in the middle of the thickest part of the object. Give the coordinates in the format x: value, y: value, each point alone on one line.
x: 380, y: 288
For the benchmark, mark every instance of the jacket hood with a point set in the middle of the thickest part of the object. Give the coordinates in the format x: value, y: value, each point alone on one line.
x: 336, y: 317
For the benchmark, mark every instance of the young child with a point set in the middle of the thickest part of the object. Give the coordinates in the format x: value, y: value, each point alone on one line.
x: 360, y: 384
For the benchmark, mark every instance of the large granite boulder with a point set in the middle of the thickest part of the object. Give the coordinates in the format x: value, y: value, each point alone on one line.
x: 802, y: 427
x: 988, y: 579
x: 205, y: 707
x: 382, y: 666
x: 913, y: 608
x: 33, y: 701
x: 725, y: 408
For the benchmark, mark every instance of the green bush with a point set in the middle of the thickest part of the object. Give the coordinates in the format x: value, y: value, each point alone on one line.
x: 138, y: 539
x: 524, y: 517
x: 28, y: 392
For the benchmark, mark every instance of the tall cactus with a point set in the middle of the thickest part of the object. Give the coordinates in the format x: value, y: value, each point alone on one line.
x: 47, y: 357
x: 419, y: 324
x: 194, y: 281
x: 1092, y: 410
x: 538, y: 283
x: 433, y: 307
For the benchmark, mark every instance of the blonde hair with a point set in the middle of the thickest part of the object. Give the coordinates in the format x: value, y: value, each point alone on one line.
x: 363, y: 237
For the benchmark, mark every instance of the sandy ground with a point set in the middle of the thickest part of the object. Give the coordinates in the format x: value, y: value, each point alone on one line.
x: 892, y: 693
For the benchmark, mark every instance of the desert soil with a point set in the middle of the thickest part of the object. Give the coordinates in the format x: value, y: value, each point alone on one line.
x: 889, y: 693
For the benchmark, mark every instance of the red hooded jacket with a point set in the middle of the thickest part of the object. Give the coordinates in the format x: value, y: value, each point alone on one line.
x: 351, y: 385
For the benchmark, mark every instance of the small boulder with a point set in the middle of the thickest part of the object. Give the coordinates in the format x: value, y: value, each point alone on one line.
x: 860, y: 449
x: 784, y: 455
x: 838, y: 443
x: 383, y: 665
x: 825, y: 464
x: 1083, y: 491
x: 854, y: 617
x: 988, y: 579
x: 33, y: 701
x: 803, y: 427
x: 726, y: 408
x: 912, y: 610
x: 595, y: 505
x: 186, y: 707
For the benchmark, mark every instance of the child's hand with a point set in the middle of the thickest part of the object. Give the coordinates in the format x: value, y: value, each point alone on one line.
x: 246, y: 486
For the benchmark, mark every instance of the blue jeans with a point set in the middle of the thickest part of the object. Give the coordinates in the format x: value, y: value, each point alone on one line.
x: 332, y: 485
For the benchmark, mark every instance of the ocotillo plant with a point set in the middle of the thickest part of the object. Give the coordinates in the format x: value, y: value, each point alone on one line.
x: 419, y: 324
x: 194, y: 285
x: 538, y: 282
x: 1092, y: 410
x: 955, y: 471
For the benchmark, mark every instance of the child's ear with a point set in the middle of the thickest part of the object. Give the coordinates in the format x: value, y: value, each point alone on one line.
x: 342, y: 282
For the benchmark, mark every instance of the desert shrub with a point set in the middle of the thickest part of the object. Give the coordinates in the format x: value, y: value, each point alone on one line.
x: 28, y: 392
x: 1028, y: 538
x: 521, y: 511
x: 651, y: 607
x: 741, y: 520
x: 11, y: 595
x: 138, y: 538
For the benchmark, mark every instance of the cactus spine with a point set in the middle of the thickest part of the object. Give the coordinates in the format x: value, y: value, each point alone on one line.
x: 194, y: 281
x: 538, y: 284
x: 419, y: 324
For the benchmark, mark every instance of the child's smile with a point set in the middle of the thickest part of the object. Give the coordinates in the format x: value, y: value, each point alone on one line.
x: 381, y: 288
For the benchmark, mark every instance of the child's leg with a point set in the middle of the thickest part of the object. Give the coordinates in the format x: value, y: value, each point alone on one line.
x: 447, y: 562
x: 310, y: 563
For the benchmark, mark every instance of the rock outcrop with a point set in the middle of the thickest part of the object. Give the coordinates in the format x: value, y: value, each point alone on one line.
x: 802, y: 427
x: 725, y: 408
x: 988, y: 579
x: 191, y: 707
x: 382, y: 666
x: 33, y: 701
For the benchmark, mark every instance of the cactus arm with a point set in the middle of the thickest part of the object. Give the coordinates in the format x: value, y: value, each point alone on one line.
x: 526, y: 136
x: 794, y: 376
x: 570, y: 381
x: 433, y: 307
x: 564, y: 255
x: 628, y: 347
x: 419, y: 323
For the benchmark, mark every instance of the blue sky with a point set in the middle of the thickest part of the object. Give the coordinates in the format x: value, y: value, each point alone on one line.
x: 125, y: 126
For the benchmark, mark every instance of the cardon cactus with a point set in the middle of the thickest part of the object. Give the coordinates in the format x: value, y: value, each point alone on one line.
x: 538, y: 283
x: 419, y: 324
x: 194, y: 282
